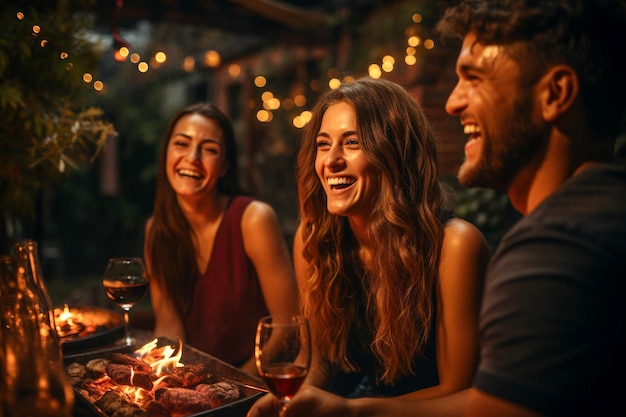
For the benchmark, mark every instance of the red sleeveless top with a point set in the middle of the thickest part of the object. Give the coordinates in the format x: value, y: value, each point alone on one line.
x: 227, y: 299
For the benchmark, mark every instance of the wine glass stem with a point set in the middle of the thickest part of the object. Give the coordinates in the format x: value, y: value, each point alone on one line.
x: 127, y: 338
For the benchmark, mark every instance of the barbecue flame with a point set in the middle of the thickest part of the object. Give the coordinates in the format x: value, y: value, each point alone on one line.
x: 69, y: 323
x: 66, y: 315
x: 161, y: 359
x: 136, y: 394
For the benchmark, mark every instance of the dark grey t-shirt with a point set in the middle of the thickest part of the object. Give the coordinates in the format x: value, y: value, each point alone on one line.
x: 553, y: 321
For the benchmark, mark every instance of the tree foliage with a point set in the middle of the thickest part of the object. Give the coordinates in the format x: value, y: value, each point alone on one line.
x: 45, y: 130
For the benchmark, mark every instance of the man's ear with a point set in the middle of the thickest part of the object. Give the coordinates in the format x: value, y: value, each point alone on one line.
x: 560, y: 89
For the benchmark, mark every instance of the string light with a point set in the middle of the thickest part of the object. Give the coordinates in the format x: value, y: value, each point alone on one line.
x: 374, y: 71
x: 189, y: 64
x: 63, y: 55
x: 270, y: 103
x: 260, y: 81
x: 234, y: 70
x: 120, y: 54
x: 160, y: 57
x: 212, y: 59
x: 300, y: 100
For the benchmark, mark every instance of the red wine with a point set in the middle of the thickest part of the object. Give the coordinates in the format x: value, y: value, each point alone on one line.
x: 126, y: 292
x: 284, y: 379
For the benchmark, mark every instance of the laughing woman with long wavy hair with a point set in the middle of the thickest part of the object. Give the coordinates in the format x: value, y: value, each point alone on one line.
x: 216, y: 256
x: 389, y: 280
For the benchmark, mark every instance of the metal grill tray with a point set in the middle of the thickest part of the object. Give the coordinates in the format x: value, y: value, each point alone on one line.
x: 85, y: 408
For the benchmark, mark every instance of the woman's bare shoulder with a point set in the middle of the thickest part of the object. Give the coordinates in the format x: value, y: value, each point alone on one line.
x: 459, y: 231
x: 462, y: 238
x: 258, y: 210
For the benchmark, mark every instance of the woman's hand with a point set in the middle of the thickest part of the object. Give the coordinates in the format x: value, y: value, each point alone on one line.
x: 308, y: 402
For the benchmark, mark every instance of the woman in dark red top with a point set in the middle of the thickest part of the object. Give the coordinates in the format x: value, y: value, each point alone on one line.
x: 217, y: 260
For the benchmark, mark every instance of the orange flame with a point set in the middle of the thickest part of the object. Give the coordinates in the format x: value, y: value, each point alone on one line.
x: 161, y: 359
x: 66, y: 315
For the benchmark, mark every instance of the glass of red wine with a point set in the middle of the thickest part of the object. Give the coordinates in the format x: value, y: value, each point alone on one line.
x: 283, y: 353
x: 125, y: 283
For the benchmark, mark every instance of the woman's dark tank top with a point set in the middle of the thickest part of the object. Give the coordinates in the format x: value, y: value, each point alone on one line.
x: 227, y: 298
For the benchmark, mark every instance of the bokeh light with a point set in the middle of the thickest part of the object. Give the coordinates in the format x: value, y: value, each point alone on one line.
x: 374, y: 71
x: 234, y: 70
x: 160, y: 57
x: 212, y: 59
x: 334, y: 83
x: 260, y: 81
x: 189, y: 63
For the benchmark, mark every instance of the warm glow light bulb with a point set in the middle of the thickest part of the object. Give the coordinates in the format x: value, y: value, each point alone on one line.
x: 389, y: 59
x: 263, y: 116
x: 160, y: 57
x: 298, y: 122
x: 212, y: 59
x: 117, y: 55
x: 267, y: 96
x: 260, y: 81
x: 274, y: 103
x: 300, y: 100
x: 189, y: 64
x: 374, y: 71
x: 306, y: 116
x: 234, y: 70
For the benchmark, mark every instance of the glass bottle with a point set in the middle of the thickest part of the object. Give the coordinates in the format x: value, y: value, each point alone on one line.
x: 35, y: 381
x: 6, y: 278
x: 26, y: 251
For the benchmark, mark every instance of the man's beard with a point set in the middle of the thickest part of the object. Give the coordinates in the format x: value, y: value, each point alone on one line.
x: 506, y: 151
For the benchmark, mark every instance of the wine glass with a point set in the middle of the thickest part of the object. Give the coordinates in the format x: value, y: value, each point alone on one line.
x: 283, y: 353
x: 125, y: 283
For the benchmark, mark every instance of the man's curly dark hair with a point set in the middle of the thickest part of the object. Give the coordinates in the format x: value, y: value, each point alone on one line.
x: 587, y: 35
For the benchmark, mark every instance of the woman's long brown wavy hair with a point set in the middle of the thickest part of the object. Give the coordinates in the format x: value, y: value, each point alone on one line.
x: 172, y: 258
x: 405, y: 228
